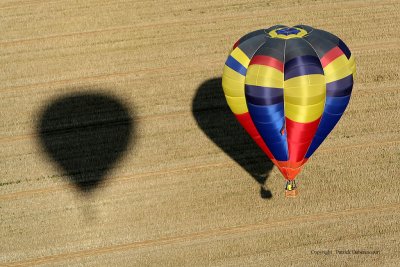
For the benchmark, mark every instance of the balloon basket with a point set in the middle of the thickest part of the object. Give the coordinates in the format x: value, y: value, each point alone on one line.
x: 291, y: 188
x: 291, y: 193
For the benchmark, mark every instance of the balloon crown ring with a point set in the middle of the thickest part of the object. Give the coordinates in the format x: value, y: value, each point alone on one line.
x: 287, y: 31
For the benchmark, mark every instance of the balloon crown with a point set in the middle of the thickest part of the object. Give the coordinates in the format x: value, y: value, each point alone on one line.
x: 287, y: 31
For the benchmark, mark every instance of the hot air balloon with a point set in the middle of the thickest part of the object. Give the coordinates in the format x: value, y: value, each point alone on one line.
x: 288, y: 87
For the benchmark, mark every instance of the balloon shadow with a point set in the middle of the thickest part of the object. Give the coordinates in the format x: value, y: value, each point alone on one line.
x: 85, y: 134
x: 214, y: 117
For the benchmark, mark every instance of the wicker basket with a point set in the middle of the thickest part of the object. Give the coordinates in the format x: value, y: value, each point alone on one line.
x: 291, y: 193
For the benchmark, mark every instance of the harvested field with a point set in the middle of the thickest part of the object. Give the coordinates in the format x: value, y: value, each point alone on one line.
x: 176, y: 187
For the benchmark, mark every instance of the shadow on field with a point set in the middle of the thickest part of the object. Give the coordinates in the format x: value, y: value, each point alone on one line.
x: 214, y: 117
x: 85, y: 134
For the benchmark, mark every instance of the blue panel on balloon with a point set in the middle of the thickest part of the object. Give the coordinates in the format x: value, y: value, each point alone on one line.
x: 269, y: 121
x: 336, y: 105
x: 235, y: 65
x: 302, y: 65
x: 279, y: 150
x: 265, y: 114
x: 342, y: 87
x: 316, y: 142
x: 302, y: 61
x: 327, y: 123
x: 272, y: 130
x: 259, y: 95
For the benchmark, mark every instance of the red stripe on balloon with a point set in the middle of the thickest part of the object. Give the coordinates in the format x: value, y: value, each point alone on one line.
x: 282, y: 170
x: 236, y: 44
x: 289, y: 170
x: 299, y: 137
x: 300, y: 132
x: 291, y: 173
x: 247, y: 123
x: 267, y: 61
x: 330, y: 56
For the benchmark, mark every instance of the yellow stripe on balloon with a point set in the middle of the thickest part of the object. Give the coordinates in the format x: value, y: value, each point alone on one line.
x: 232, y: 74
x: 304, y: 114
x: 305, y: 95
x: 238, y: 54
x: 233, y: 87
x: 337, y: 69
x: 352, y: 65
x: 306, y: 80
x: 233, y: 84
x: 265, y: 76
x: 237, y: 104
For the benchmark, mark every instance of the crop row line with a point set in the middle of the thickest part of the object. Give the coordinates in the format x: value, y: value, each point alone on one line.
x: 211, y: 234
x: 120, y: 179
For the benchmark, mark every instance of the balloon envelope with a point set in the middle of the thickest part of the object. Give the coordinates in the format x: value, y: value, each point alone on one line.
x: 288, y: 87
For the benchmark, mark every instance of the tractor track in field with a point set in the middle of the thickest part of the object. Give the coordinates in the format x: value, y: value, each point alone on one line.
x: 391, y: 44
x: 214, y: 233
x: 104, y: 77
x: 4, y: 139
x: 115, y: 180
x: 251, y: 15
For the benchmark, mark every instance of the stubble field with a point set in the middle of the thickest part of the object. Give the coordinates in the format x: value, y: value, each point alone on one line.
x: 188, y: 187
